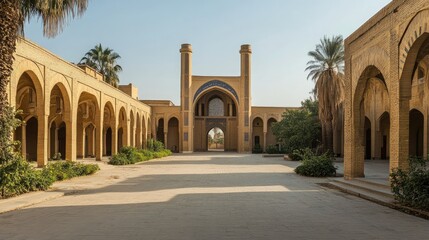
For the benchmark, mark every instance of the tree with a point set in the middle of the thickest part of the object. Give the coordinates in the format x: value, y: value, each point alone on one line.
x: 104, y: 61
x: 326, y: 69
x: 300, y: 128
x: 13, y: 13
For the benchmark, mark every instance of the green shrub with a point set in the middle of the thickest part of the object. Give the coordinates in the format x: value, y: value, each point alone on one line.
x: 119, y: 159
x: 155, y: 146
x: 18, y: 176
x: 272, y: 149
x: 130, y: 155
x: 257, y: 149
x: 65, y: 170
x: 316, y: 165
x: 411, y: 187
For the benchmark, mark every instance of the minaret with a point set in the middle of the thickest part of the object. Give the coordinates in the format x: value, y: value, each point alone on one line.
x: 245, y: 98
x: 186, y: 99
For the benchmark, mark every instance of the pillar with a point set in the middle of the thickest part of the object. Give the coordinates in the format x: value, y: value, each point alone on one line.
x: 42, y: 141
x: 99, y: 143
x: 24, y: 140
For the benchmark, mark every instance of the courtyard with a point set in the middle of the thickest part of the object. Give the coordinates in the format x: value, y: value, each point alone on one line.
x: 206, y: 196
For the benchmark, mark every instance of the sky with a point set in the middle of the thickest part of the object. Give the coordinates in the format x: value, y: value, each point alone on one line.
x: 147, y: 34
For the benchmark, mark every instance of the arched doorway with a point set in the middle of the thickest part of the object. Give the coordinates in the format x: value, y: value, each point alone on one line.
x: 215, y: 109
x: 87, y: 114
x: 132, y: 122
x: 215, y: 140
x: 271, y: 138
x: 109, y: 124
x: 59, y: 113
x: 160, y: 131
x: 122, y: 129
x: 416, y: 133
x: 371, y: 100
x: 258, y: 134
x: 28, y: 97
x: 173, y: 135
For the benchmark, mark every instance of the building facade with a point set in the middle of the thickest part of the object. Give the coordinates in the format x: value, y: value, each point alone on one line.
x: 386, y: 106
x: 69, y: 112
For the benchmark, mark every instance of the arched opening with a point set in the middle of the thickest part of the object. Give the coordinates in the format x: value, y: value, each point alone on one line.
x: 87, y: 115
x: 132, y: 135
x: 271, y: 138
x: 367, y: 138
x: 145, y: 132
x: 122, y: 129
x: 215, y: 140
x: 215, y: 109
x: 416, y: 133
x: 28, y: 96
x: 138, y: 133
x: 173, y: 135
x: 109, y: 124
x: 258, y: 135
x: 384, y: 137
x: 160, y: 131
x: 371, y: 100
x: 31, y: 139
x: 58, y: 113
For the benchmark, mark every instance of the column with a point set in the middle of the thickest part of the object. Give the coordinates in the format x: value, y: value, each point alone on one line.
x: 265, y: 141
x: 24, y: 140
x: 42, y: 141
x: 56, y: 147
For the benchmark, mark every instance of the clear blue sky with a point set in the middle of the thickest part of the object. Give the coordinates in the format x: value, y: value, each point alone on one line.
x: 148, y: 34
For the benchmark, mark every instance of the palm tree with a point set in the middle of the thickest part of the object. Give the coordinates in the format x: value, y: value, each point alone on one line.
x: 13, y: 13
x: 326, y: 69
x: 104, y: 61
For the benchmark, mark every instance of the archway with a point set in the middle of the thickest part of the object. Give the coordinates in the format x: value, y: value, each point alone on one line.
x: 59, y: 113
x: 215, y: 140
x: 173, y: 135
x: 215, y: 109
x: 138, y: 134
x: 122, y: 129
x: 371, y: 100
x: 109, y: 129
x: 87, y: 116
x: 160, y: 131
x: 132, y: 135
x: 271, y: 138
x: 28, y: 98
x: 258, y: 137
x: 416, y: 133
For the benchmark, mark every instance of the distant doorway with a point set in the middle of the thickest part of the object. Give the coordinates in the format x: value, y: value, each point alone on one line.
x: 215, y: 140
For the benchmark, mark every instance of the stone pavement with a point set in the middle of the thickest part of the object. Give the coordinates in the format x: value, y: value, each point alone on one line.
x: 206, y: 196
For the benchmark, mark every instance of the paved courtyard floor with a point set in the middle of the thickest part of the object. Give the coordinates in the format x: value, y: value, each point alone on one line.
x: 206, y: 196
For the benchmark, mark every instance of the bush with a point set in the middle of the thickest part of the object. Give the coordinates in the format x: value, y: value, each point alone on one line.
x: 257, y: 149
x: 130, y: 155
x: 411, y: 188
x: 316, y: 165
x: 18, y: 176
x: 155, y: 146
x: 65, y: 170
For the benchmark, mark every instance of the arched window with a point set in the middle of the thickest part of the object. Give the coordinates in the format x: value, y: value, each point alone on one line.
x: 216, y: 107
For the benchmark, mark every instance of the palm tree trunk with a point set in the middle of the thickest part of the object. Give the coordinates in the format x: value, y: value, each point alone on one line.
x: 329, y: 137
x: 9, y: 26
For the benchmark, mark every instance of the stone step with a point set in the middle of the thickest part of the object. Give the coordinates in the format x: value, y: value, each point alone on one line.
x: 365, y: 190
x: 378, y: 182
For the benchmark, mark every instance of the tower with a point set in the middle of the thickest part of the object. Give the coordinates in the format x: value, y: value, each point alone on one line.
x: 245, y: 98
x: 185, y: 98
